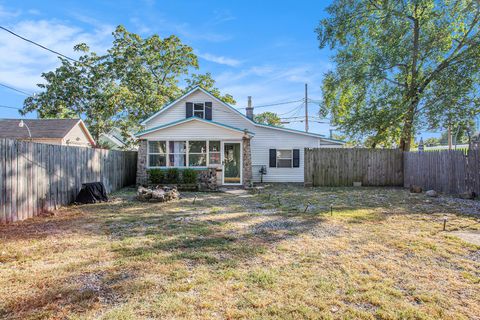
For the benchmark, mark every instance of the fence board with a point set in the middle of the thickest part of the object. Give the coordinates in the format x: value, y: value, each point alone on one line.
x: 342, y: 167
x: 35, y: 178
x: 448, y: 171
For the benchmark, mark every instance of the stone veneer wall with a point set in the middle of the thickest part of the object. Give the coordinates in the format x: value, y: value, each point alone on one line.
x: 247, y: 162
x: 142, y: 177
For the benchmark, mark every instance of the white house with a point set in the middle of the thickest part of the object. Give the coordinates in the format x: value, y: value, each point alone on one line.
x: 200, y: 131
x: 114, y: 140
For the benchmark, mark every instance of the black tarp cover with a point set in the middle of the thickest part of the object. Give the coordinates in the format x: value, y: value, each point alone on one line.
x: 91, y: 193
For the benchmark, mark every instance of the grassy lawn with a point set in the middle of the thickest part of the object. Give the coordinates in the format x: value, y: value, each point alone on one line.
x: 381, y: 255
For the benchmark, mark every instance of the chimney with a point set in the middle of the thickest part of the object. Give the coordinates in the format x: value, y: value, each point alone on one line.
x: 249, y: 109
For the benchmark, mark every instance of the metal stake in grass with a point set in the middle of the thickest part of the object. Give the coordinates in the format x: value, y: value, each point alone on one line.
x: 331, y: 210
x: 445, y: 223
x: 306, y: 208
x: 194, y: 199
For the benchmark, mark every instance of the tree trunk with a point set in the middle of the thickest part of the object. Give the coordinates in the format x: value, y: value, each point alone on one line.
x: 412, y: 96
x: 407, y: 131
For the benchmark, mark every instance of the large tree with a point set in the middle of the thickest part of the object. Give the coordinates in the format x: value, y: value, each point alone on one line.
x: 134, y: 79
x: 401, y: 66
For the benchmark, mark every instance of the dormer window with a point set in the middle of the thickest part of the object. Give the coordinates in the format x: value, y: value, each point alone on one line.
x: 199, y: 110
x: 202, y: 110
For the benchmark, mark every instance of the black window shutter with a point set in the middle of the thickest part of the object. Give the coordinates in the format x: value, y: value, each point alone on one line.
x: 273, y: 158
x: 208, y: 110
x: 296, y: 158
x: 189, y: 110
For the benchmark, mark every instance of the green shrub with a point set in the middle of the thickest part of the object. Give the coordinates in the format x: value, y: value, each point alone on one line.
x: 172, y: 176
x: 156, y: 176
x: 189, y: 176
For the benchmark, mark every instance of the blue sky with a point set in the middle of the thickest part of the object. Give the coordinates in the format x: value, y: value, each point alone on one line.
x: 265, y: 49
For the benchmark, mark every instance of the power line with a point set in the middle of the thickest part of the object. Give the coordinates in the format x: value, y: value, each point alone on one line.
x: 38, y: 44
x: 275, y: 104
x: 8, y: 107
x: 294, y: 110
x: 14, y: 89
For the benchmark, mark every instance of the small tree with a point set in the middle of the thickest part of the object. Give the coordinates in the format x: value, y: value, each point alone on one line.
x: 270, y: 118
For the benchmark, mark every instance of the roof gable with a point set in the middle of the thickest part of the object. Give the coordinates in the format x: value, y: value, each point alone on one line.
x: 197, y: 88
x: 175, y: 123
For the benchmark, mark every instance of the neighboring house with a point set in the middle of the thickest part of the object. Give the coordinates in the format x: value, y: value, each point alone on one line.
x: 200, y: 131
x: 114, y: 140
x: 69, y: 132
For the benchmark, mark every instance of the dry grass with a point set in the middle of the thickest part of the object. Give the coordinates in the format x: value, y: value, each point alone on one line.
x: 382, y: 255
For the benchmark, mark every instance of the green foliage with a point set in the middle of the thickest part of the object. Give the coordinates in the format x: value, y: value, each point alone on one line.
x: 135, y: 78
x: 270, y: 118
x: 156, y: 176
x: 189, y: 176
x: 400, y: 67
x: 172, y: 176
x: 208, y: 83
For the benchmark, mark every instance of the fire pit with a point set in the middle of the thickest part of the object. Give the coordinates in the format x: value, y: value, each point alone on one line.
x: 157, y: 194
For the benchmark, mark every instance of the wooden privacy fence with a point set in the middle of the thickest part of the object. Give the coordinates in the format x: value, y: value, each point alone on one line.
x: 342, y: 167
x: 446, y: 171
x: 36, y: 178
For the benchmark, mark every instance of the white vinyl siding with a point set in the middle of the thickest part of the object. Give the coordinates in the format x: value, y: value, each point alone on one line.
x: 266, y: 139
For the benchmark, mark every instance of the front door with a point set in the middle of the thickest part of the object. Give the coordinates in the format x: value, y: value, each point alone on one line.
x: 232, y: 163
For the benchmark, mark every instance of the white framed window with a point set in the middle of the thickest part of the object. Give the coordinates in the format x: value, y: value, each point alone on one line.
x: 199, y: 110
x: 157, y: 154
x: 214, y: 153
x: 177, y: 153
x: 284, y: 158
x: 183, y: 154
x: 197, y: 153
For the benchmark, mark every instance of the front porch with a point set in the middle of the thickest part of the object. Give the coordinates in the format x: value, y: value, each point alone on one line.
x: 198, y: 144
x: 219, y: 162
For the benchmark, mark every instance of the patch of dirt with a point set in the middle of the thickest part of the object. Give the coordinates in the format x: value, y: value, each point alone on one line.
x: 469, y: 236
x: 283, y: 224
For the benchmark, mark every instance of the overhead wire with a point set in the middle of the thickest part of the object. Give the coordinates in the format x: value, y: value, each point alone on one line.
x: 274, y: 104
x: 15, y: 89
x: 8, y: 107
x: 38, y: 44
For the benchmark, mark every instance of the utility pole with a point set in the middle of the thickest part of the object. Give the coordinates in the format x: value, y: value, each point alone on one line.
x: 306, y: 107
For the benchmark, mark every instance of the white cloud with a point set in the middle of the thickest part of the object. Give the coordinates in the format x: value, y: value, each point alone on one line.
x: 221, y: 16
x: 22, y: 63
x: 219, y: 59
x: 163, y: 24
x: 185, y: 30
x: 4, y: 13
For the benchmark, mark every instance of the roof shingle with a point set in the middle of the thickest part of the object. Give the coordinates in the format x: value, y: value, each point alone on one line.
x: 39, y: 128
